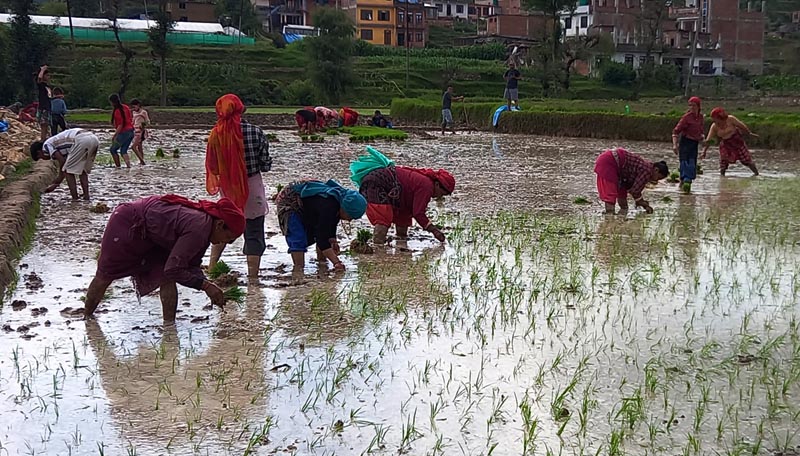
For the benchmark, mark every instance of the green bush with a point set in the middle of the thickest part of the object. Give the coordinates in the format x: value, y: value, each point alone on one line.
x: 618, y: 74
x: 299, y: 93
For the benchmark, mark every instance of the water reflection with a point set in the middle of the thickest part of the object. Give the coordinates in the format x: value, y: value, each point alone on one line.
x: 174, y: 393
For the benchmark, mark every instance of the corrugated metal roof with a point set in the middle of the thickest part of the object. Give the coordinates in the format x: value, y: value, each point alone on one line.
x: 124, y: 24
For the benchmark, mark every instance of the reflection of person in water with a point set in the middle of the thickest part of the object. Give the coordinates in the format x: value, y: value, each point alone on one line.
x: 614, y: 238
x: 160, y: 241
x: 309, y: 213
x: 156, y: 390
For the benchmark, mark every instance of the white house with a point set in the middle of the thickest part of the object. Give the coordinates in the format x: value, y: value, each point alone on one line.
x: 453, y: 9
x: 576, y: 23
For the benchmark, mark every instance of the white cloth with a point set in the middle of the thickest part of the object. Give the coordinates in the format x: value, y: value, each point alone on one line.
x: 81, y: 156
x: 256, y: 204
x: 63, y: 141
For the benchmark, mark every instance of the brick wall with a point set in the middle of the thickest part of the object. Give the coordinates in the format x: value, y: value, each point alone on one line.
x: 740, y: 34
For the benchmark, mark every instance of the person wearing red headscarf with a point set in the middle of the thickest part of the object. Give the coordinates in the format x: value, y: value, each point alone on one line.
x: 730, y: 131
x: 159, y: 242
x: 686, y: 139
x: 398, y: 194
x: 236, y: 155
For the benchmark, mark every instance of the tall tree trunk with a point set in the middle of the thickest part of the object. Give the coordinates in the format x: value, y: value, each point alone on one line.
x: 163, y: 80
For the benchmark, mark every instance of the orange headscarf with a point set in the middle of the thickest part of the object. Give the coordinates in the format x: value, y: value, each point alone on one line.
x: 225, y: 168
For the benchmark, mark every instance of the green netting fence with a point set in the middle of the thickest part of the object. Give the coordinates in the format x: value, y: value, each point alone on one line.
x: 210, y: 39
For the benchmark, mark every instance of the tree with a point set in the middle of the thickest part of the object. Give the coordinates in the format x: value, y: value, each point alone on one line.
x: 29, y: 47
x: 161, y: 48
x: 239, y: 14
x: 53, y: 8
x: 330, y: 53
x: 651, y: 19
x: 552, y: 41
x: 112, y: 12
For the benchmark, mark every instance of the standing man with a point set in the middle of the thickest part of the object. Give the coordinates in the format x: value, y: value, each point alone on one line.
x: 236, y: 155
x: 43, y: 111
x: 447, y: 115
x: 512, y: 77
x: 75, y: 150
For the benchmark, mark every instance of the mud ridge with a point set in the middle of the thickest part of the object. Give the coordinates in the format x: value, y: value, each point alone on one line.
x: 17, y: 204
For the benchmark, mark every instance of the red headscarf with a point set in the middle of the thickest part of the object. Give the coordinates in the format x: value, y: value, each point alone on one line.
x: 443, y: 177
x: 224, y: 210
x: 225, y: 168
x: 696, y: 100
x: 719, y: 113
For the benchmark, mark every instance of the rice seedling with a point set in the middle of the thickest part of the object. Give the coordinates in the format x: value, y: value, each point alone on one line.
x: 219, y: 269
x: 235, y: 294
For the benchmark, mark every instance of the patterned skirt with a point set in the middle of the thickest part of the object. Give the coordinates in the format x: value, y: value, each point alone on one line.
x: 381, y: 187
x: 734, y: 149
x: 288, y: 202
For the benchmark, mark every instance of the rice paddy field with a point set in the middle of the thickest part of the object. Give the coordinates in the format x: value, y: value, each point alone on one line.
x: 540, y: 328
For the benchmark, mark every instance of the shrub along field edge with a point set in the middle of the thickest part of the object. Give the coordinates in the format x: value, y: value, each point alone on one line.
x: 775, y: 131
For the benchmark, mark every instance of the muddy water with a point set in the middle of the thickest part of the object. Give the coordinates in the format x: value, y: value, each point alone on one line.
x: 540, y: 326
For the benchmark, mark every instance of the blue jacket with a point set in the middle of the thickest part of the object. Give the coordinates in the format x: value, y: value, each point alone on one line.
x: 57, y: 106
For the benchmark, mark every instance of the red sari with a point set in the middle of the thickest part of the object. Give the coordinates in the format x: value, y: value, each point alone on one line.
x: 732, y: 150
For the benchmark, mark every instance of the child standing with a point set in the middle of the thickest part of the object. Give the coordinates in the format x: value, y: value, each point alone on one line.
x: 122, y: 119
x: 141, y: 120
x: 58, y: 109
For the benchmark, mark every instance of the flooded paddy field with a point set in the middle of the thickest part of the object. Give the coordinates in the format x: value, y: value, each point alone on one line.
x: 541, y: 327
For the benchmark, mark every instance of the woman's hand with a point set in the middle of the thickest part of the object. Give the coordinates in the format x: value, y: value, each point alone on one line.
x: 215, y: 294
x: 437, y: 233
x: 339, y: 266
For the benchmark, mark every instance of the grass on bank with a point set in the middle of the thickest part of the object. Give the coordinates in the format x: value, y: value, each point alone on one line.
x: 22, y: 169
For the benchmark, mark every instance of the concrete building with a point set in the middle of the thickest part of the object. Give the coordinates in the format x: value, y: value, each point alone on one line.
x: 275, y: 14
x: 452, y: 9
x: 412, y: 22
x: 376, y: 21
x: 724, y: 30
x: 192, y: 11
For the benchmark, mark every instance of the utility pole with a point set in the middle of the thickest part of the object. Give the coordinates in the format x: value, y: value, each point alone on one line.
x: 241, y: 13
x: 691, y: 59
x: 71, y: 33
x: 407, y: 43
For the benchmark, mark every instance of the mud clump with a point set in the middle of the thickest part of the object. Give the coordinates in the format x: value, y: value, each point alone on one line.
x: 99, y: 208
x: 70, y: 312
x: 38, y: 311
x: 33, y: 281
x: 227, y: 280
x: 19, y: 305
x: 7, y: 328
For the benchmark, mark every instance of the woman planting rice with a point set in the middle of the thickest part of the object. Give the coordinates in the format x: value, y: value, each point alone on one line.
x: 732, y: 147
x: 160, y: 241
x: 309, y: 212
x: 396, y: 194
x: 620, y: 172
x: 686, y: 138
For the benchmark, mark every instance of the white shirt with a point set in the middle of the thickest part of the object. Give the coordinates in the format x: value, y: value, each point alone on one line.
x: 63, y: 141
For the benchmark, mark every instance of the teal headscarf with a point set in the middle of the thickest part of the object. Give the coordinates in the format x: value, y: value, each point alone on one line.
x: 366, y: 164
x: 351, y: 201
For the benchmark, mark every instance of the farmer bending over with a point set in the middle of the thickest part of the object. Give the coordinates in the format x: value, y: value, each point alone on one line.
x: 309, y: 212
x: 396, y: 194
x: 160, y: 241
x: 74, y: 150
x: 620, y: 172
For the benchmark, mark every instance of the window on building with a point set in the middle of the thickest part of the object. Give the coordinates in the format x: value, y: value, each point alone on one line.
x: 419, y: 18
x: 383, y: 15
x: 366, y: 15
x: 629, y: 59
x: 401, y: 17
x: 642, y: 60
x: 366, y: 34
x: 440, y: 7
x: 471, y: 10
x: 567, y: 23
x: 672, y: 42
x: 486, y: 11
x: 449, y: 10
x: 183, y: 19
x: 182, y: 5
x: 584, y: 21
x: 419, y: 37
x: 401, y: 39
x: 387, y: 37
x: 459, y: 9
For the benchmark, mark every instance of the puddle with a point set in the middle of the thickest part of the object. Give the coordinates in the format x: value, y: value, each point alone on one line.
x: 540, y: 327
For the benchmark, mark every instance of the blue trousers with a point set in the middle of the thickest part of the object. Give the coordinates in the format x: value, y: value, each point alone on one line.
x: 687, y: 153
